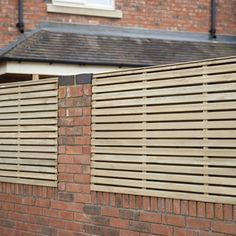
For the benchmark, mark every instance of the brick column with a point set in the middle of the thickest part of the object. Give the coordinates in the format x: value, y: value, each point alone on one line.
x: 74, y: 126
x: 74, y: 137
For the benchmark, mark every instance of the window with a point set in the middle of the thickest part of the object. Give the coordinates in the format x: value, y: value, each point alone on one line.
x: 100, y: 8
x: 99, y: 4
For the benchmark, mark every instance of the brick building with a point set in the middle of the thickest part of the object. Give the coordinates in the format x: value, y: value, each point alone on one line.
x: 154, y: 32
x: 171, y: 15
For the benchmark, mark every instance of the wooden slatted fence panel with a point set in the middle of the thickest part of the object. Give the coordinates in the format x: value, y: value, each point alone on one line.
x: 28, y: 132
x: 166, y: 131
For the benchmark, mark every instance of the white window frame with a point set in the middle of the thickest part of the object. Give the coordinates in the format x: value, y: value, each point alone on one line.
x: 83, y: 4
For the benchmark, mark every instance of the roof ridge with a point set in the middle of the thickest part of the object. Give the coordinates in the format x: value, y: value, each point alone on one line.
x: 117, y: 31
x: 143, y: 38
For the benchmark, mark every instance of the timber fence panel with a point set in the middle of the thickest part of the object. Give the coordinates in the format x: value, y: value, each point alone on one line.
x: 166, y: 131
x: 28, y: 132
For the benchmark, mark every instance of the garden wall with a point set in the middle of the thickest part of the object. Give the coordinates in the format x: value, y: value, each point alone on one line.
x: 73, y: 210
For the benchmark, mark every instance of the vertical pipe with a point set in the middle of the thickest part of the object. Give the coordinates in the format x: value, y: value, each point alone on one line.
x: 20, y: 23
x: 213, y: 20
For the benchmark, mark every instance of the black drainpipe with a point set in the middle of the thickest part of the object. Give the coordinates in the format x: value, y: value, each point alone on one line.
x: 20, y: 24
x: 213, y: 20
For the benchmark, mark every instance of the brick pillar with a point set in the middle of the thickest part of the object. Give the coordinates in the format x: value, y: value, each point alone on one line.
x: 74, y: 147
x: 74, y: 137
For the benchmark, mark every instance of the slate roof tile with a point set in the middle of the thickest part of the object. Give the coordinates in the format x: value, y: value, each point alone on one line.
x: 71, y: 47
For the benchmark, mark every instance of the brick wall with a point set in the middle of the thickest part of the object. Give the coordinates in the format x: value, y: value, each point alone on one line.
x: 72, y: 210
x: 177, y: 15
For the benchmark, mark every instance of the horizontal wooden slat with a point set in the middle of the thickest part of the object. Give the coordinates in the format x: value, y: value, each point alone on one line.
x: 165, y: 186
x: 28, y: 128
x: 167, y: 151
x: 46, y: 114
x: 166, y: 91
x: 31, y: 155
x: 30, y: 135
x: 38, y: 169
x: 30, y: 83
x: 16, y: 109
x: 164, y: 117
x: 166, y: 100
x: 28, y: 148
x: 174, y: 160
x: 167, y: 134
x: 21, y: 96
x: 166, y: 168
x: 166, y: 125
x: 27, y: 161
x: 27, y: 102
x: 163, y: 177
x: 165, y: 74
x: 45, y: 121
x: 163, y: 83
x: 49, y: 183
x: 165, y: 108
x: 28, y: 175
x: 165, y: 142
x: 24, y: 89
x: 46, y: 142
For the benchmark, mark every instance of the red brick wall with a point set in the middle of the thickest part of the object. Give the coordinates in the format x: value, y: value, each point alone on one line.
x: 72, y: 210
x: 177, y: 15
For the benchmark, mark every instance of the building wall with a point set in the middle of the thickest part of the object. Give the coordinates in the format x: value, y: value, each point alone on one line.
x: 175, y: 15
x: 72, y: 210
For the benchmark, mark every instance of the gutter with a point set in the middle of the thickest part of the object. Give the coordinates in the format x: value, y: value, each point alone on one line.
x: 82, y: 63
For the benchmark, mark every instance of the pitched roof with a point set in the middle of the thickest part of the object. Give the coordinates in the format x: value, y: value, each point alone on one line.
x: 95, y: 45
